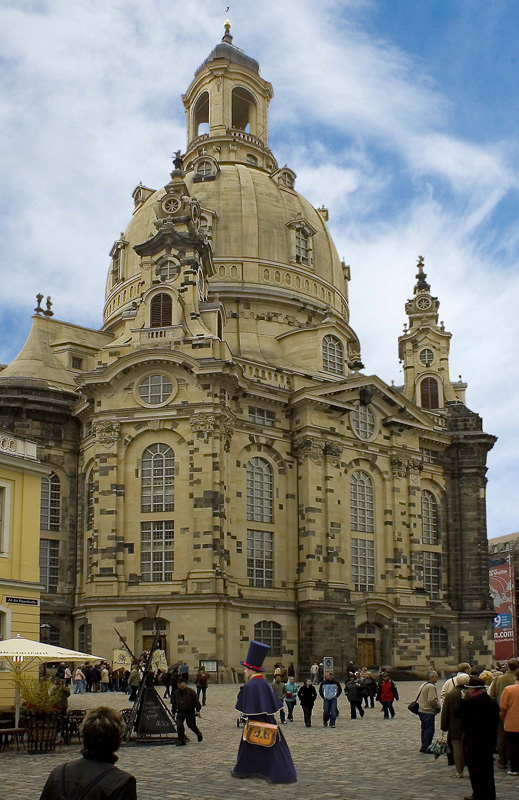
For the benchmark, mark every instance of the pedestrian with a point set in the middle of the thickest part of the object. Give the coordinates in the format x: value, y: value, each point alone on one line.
x: 509, y: 715
x: 133, y: 682
x: 185, y: 704
x: 201, y: 684
x: 291, y: 671
x: 87, y: 671
x: 428, y: 707
x: 314, y: 672
x: 463, y: 669
x: 173, y: 680
x: 94, y: 775
x: 496, y: 690
x: 166, y: 682
x: 387, y: 693
x: 451, y: 724
x: 370, y: 689
x: 307, y: 697
x: 280, y: 691
x: 79, y: 681
x: 291, y: 697
x: 60, y: 671
x: 353, y: 690
x: 259, y: 702
x: 68, y: 676
x: 105, y: 678
x: 184, y: 671
x: 95, y: 678
x: 330, y: 690
x: 479, y: 714
x: 283, y: 672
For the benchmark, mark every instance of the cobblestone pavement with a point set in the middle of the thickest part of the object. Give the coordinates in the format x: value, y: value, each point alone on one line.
x: 364, y: 759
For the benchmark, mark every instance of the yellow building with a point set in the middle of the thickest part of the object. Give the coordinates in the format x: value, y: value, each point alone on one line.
x: 220, y: 462
x: 21, y: 476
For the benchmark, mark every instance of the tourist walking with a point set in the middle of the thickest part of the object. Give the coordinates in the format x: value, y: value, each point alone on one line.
x: 259, y: 703
x: 314, y: 672
x: 509, y: 715
x: 496, y: 690
x: 450, y: 723
x: 369, y: 686
x: 291, y: 698
x: 280, y: 691
x: 428, y: 707
x: 186, y: 706
x: 105, y: 678
x: 79, y: 681
x: 330, y: 690
x: 201, y: 685
x: 353, y: 689
x: 307, y: 697
x: 133, y: 682
x: 95, y: 678
x: 387, y: 693
x: 479, y: 714
x: 184, y: 671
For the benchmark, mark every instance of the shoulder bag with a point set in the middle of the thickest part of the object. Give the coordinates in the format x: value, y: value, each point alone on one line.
x: 263, y: 734
x: 414, y: 706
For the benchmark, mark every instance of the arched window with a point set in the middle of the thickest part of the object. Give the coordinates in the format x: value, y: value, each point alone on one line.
x: 430, y: 395
x: 161, y: 311
x: 157, y: 478
x: 439, y: 641
x: 269, y: 632
x: 361, y: 502
x: 333, y: 355
x: 243, y: 110
x: 259, y: 490
x: 84, y: 638
x: 201, y: 115
x: 363, y: 421
x: 89, y: 500
x: 50, y: 503
x: 430, y: 527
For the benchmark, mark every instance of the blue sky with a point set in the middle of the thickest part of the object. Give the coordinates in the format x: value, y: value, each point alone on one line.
x: 399, y: 115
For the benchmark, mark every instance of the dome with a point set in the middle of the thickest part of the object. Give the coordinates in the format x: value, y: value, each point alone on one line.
x: 231, y: 53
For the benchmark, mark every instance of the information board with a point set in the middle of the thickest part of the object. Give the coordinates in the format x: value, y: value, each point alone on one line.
x: 154, y: 716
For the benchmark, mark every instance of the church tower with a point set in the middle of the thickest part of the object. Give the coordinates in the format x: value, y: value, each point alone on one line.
x: 424, y: 350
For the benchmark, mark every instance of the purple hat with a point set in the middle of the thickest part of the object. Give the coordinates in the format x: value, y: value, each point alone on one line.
x: 256, y: 656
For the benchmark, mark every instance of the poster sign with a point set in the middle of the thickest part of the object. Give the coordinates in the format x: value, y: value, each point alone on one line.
x: 502, y: 589
x: 121, y: 659
x: 327, y: 664
x: 154, y: 717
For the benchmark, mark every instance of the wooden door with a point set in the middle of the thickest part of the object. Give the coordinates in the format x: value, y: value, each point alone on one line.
x: 366, y: 652
x: 147, y: 641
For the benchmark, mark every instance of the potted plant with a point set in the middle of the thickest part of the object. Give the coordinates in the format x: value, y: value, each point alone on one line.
x: 40, y: 714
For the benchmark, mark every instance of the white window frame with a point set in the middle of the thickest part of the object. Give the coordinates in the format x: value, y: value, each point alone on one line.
x: 260, y: 558
x: 6, y: 490
x: 260, y: 490
x: 52, y: 569
x: 430, y: 518
x: 270, y: 632
x: 363, y: 422
x: 362, y: 502
x: 164, y: 394
x: 157, y: 478
x: 50, y: 513
x: 333, y: 354
x: 157, y: 542
x: 262, y: 416
x: 363, y: 565
x: 432, y: 572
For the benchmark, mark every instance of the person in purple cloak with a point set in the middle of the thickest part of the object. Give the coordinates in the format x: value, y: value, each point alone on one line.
x: 258, y: 701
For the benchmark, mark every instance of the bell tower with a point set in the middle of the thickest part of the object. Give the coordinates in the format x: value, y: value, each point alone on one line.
x: 227, y: 110
x: 424, y: 350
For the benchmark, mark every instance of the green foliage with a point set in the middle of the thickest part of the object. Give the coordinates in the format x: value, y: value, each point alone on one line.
x: 38, y: 695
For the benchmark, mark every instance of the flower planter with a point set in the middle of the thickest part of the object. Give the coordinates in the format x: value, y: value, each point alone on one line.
x: 42, y: 730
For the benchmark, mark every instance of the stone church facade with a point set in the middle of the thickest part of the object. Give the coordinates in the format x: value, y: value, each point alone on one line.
x: 222, y: 467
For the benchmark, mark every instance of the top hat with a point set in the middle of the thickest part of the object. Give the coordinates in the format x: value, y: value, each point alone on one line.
x: 256, y: 656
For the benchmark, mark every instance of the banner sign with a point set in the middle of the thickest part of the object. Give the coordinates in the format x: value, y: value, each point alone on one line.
x: 159, y: 661
x: 502, y: 589
x: 121, y: 659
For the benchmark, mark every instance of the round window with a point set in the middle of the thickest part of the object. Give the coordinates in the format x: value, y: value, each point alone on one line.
x: 363, y: 422
x: 155, y: 389
x: 427, y: 357
x: 171, y: 204
x: 423, y: 303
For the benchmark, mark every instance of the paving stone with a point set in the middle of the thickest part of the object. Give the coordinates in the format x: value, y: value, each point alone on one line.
x: 366, y: 759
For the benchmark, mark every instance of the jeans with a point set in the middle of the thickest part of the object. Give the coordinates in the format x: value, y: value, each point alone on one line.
x: 79, y: 687
x: 307, y: 713
x: 387, y: 705
x: 201, y: 690
x: 356, y: 705
x: 330, y: 711
x: 290, y: 708
x: 427, y: 721
x: 282, y: 716
x: 512, y: 741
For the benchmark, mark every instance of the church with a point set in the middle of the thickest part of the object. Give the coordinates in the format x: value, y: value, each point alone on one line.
x: 222, y: 466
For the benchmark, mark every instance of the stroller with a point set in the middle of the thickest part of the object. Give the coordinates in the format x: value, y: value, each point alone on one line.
x: 242, y: 721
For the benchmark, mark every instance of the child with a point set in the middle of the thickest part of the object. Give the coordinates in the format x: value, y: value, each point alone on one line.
x: 387, y: 693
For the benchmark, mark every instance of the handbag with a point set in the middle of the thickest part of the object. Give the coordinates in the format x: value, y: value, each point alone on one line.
x: 439, y: 747
x: 414, y: 706
x: 263, y: 734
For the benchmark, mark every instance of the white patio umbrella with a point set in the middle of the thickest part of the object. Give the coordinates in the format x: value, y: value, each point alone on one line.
x: 19, y: 654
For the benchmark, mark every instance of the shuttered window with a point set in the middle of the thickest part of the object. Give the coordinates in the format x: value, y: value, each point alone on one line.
x: 160, y: 311
x: 430, y: 393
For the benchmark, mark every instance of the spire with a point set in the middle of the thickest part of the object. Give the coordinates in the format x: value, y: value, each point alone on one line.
x: 421, y: 283
x: 227, y: 37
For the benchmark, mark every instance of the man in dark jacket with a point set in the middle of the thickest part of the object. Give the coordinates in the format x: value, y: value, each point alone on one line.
x: 353, y: 689
x: 479, y: 714
x: 451, y: 725
x: 94, y: 775
x: 330, y: 689
x: 186, y: 705
x: 307, y: 697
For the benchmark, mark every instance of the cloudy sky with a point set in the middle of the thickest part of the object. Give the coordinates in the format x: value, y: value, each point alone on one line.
x: 399, y: 115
